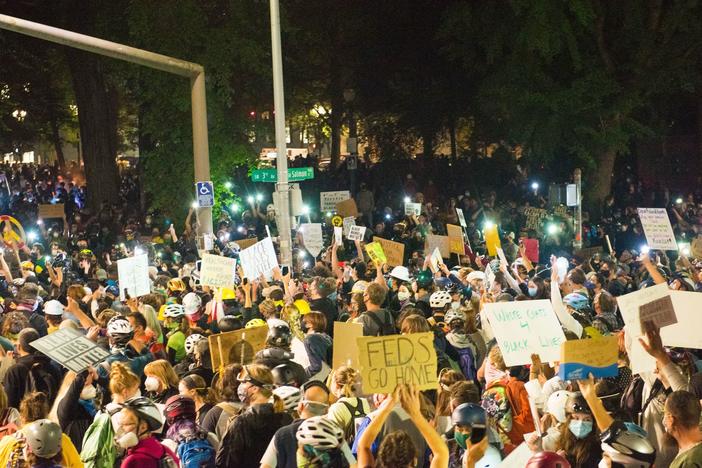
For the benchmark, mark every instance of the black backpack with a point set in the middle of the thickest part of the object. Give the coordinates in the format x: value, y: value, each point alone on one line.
x: 41, y: 380
x: 357, y: 415
x: 386, y: 326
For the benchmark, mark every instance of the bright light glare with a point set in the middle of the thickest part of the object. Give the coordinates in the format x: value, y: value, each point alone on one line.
x: 407, y: 199
x: 645, y: 249
x: 686, y: 251
x: 535, y: 186
x: 32, y: 236
x: 194, y: 204
x: 306, y: 265
x: 302, y: 254
x: 227, y: 185
x: 250, y: 199
x: 40, y: 222
x: 235, y: 208
x: 488, y: 225
x: 552, y: 229
x: 138, y: 251
x: 329, y: 214
x: 305, y: 209
x: 387, y: 216
x: 679, y: 201
x: 259, y: 197
x: 241, y: 229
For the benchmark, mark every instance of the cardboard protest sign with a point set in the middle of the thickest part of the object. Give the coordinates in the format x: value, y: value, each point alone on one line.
x: 525, y: 328
x: 375, y: 252
x: 47, y: 211
x: 413, y: 209
x: 531, y: 249
x: 489, y: 277
x: 656, y: 226
x: 70, y: 349
x: 338, y: 235
x: 347, y: 223
x: 534, y: 217
x: 312, y: 238
x: 387, y: 361
x: 328, y: 200
x: 394, y: 251
x: 696, y: 248
x: 589, y: 252
x: 659, y: 311
x: 517, y: 458
x: 455, y: 235
x: 133, y: 275
x: 629, y: 305
x: 686, y: 332
x: 440, y: 242
x: 246, y: 243
x: 345, y: 347
x: 347, y: 208
x: 239, y: 346
x: 461, y: 217
x: 356, y: 233
x: 596, y: 356
x: 259, y: 259
x: 492, y: 239
x: 560, y: 210
x: 217, y: 271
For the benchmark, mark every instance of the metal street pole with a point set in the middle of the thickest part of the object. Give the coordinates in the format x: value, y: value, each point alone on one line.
x: 195, y: 72
x: 578, y: 242
x: 282, y: 186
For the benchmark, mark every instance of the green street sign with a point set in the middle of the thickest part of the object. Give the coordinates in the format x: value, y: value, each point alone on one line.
x: 295, y: 174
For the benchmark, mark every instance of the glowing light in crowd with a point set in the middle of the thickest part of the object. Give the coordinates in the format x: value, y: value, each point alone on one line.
x: 305, y: 209
x: 387, y: 216
x: 407, y: 199
x: 488, y: 225
x: 259, y: 197
x: 241, y: 229
x: 228, y: 185
x: 40, y: 222
x: 535, y: 186
x: 235, y: 208
x: 193, y: 204
x: 138, y: 251
x: 306, y: 265
x: 645, y: 249
x: 32, y: 236
x: 47, y: 259
x: 302, y: 254
x: 250, y: 199
x: 679, y: 201
x: 552, y: 229
x: 329, y: 214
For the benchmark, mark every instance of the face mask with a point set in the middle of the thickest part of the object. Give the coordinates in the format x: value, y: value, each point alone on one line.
x: 455, y: 305
x: 580, y: 429
x: 172, y: 325
x: 316, y: 408
x: 461, y: 439
x: 389, y: 283
x: 88, y: 393
x: 303, y: 326
x: 242, y: 392
x: 128, y: 440
x: 402, y: 296
x: 152, y: 384
x: 533, y: 291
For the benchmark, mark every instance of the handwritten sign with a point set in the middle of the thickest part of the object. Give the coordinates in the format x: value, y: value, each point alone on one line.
x: 312, y: 238
x: 534, y: 217
x: 70, y: 349
x: 133, y: 273
x: 492, y: 239
x: 246, y: 243
x: 597, y: 356
x: 686, y: 332
x: 47, y: 211
x: 440, y: 242
x: 461, y: 217
x: 328, y: 200
x: 387, y: 361
x: 455, y: 235
x: 656, y: 226
x: 375, y: 252
x: 659, y: 311
x: 696, y: 248
x: 525, y: 328
x: 259, y: 259
x: 347, y: 208
x: 394, y: 251
x: 413, y: 209
x: 517, y: 458
x: 347, y: 223
x: 356, y: 233
x: 239, y: 346
x: 338, y: 235
x: 345, y: 349
x: 217, y: 271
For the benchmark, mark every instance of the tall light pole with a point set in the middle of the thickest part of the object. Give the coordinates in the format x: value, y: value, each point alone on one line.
x: 578, y: 242
x: 282, y: 186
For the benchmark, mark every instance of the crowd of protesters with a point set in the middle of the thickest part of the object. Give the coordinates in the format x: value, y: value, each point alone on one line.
x: 156, y: 400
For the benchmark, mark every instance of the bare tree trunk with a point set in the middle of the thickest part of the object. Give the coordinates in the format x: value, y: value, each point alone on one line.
x: 600, y: 182
x: 58, y: 144
x: 428, y: 142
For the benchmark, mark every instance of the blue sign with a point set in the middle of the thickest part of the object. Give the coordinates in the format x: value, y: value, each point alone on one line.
x: 205, y: 194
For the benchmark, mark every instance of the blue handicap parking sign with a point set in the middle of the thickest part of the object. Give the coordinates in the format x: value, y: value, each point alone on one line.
x: 205, y: 194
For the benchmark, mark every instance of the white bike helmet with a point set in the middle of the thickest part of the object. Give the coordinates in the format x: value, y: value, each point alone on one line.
x: 145, y: 410
x: 440, y: 299
x: 191, y: 303
x: 556, y: 404
x: 359, y: 287
x: 290, y: 395
x: 119, y: 325
x: 174, y: 311
x: 454, y: 314
x: 53, y: 307
x: 320, y: 433
x: 192, y: 341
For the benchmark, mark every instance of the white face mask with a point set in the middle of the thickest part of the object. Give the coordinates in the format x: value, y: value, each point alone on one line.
x: 402, y: 296
x: 152, y: 384
x: 128, y: 440
x: 88, y: 393
x: 456, y: 305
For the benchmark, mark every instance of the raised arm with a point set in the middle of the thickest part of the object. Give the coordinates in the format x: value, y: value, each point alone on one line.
x: 410, y: 400
x: 365, y: 454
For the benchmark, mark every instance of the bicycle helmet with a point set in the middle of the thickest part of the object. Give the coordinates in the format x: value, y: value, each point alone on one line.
x: 439, y: 299
x: 229, y: 323
x: 454, y: 314
x: 576, y: 301
x: 627, y: 444
x: 469, y: 414
x: 359, y: 287
x: 283, y: 375
x: 401, y: 273
x: 191, y: 303
x: 43, y: 437
x: 576, y: 404
x: 320, y: 433
x: 279, y: 333
x: 257, y: 322
x: 176, y: 285
x: 547, y: 460
x: 119, y: 329
x: 192, y: 341
x: 53, y: 307
x: 145, y: 410
x: 291, y: 396
x: 174, y: 311
x: 556, y: 404
x: 179, y: 407
x: 424, y: 279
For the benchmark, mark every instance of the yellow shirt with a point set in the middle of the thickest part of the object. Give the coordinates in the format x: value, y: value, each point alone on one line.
x: 69, y: 455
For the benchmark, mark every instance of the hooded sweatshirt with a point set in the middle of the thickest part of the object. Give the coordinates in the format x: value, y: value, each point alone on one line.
x: 146, y: 454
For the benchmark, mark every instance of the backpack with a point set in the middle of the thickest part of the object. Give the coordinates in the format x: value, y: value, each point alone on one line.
x: 357, y: 415
x: 501, y: 401
x: 229, y: 411
x: 466, y: 362
x: 632, y: 402
x: 98, y: 449
x: 195, y: 452
x: 40, y: 380
x: 6, y: 427
x: 385, y: 326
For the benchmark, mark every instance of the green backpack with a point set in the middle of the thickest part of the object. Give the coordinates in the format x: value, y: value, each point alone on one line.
x: 98, y: 444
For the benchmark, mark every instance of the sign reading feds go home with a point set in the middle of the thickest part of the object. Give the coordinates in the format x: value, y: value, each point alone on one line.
x: 525, y: 328
x: 387, y: 361
x: 70, y: 349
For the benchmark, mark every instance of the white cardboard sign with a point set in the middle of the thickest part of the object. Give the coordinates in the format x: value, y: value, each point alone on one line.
x: 217, y: 271
x: 348, y: 222
x: 313, y: 238
x: 461, y: 218
x: 356, y: 233
x: 133, y: 275
x: 413, y: 209
x: 328, y: 200
x: 338, y: 235
x: 656, y: 226
x: 259, y: 259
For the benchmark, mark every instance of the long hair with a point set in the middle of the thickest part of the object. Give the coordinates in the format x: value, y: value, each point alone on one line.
x: 163, y: 371
x: 578, y: 449
x: 197, y: 383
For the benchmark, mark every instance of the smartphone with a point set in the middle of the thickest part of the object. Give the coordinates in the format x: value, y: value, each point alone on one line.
x: 285, y: 270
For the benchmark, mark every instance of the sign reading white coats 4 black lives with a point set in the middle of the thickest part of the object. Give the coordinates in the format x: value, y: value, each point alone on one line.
x: 70, y: 349
x: 387, y: 361
x: 205, y: 194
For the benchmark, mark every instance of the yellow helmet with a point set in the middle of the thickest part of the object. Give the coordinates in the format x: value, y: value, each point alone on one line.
x: 228, y: 293
x: 302, y: 306
x: 176, y: 284
x: 253, y: 323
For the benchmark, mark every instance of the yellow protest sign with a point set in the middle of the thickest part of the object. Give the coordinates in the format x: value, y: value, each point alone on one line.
x: 387, y: 361
x: 394, y: 251
x: 47, y: 210
x: 239, y: 346
x: 596, y: 356
x: 455, y: 235
x: 492, y: 239
x: 345, y: 349
x: 438, y: 242
x: 375, y: 252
